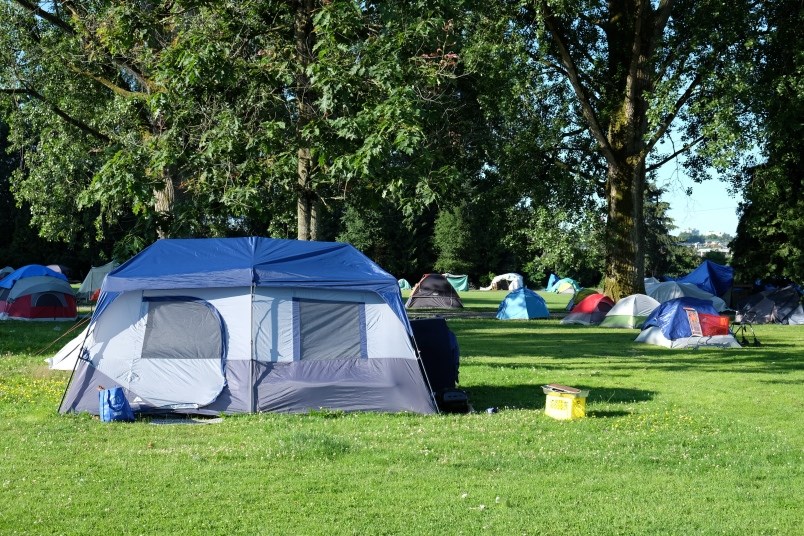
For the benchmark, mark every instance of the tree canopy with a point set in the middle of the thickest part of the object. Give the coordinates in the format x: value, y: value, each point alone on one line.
x: 534, y: 127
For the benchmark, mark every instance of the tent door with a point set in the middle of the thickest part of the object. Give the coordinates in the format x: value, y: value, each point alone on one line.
x: 183, y: 355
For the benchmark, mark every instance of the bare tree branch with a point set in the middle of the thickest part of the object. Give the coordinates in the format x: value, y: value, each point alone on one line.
x: 663, y: 161
x: 580, y: 90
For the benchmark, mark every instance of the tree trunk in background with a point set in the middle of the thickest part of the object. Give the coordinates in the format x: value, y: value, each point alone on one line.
x: 163, y: 206
x: 306, y: 201
x: 630, y: 44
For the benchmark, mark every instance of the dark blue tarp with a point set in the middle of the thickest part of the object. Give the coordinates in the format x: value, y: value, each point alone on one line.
x: 671, y: 317
x: 711, y: 277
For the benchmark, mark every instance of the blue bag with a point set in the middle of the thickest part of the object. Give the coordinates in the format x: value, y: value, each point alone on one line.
x: 114, y: 406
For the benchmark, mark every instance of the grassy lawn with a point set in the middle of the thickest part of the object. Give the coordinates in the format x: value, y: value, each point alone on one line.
x: 675, y: 442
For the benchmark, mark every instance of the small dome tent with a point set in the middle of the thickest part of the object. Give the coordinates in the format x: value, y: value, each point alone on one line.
x: 522, y: 304
x: 630, y: 312
x: 403, y: 284
x: 242, y: 325
x: 566, y: 286
x: 433, y: 291
x: 590, y: 311
x: 687, y: 323
x: 35, y: 292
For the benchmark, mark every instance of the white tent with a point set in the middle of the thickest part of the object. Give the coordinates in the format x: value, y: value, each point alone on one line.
x: 670, y: 290
x: 513, y: 282
x: 66, y: 357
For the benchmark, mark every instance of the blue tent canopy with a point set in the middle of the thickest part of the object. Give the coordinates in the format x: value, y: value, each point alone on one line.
x: 242, y: 262
x: 31, y: 270
x: 711, y: 277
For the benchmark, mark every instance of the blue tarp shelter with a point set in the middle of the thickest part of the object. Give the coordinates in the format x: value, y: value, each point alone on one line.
x: 233, y: 325
x: 522, y: 304
x: 714, y: 278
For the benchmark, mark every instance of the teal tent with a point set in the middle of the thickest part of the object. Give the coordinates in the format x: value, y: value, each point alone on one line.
x: 458, y: 282
x: 404, y: 285
x: 522, y: 304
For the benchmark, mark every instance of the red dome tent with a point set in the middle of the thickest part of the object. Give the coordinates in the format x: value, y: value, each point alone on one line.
x: 590, y: 310
x: 36, y: 292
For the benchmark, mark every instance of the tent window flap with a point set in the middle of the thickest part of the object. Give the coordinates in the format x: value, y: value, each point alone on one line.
x: 182, y: 329
x: 329, y: 330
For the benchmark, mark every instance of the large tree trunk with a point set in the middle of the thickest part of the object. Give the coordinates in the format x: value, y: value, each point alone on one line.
x: 630, y: 44
x: 306, y: 200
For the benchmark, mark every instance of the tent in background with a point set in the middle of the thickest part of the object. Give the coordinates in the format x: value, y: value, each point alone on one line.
x: 506, y: 282
x: 670, y: 290
x: 687, y: 323
x: 237, y: 325
x: 403, y: 284
x: 780, y: 306
x: 93, y: 280
x: 711, y: 277
x: 433, y: 291
x: 578, y: 297
x: 458, y: 282
x: 5, y: 271
x: 551, y: 282
x: 522, y: 304
x: 566, y: 285
x: 589, y: 311
x: 630, y: 312
x: 35, y: 292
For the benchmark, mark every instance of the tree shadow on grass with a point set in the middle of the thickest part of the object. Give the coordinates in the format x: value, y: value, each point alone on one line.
x: 532, y: 397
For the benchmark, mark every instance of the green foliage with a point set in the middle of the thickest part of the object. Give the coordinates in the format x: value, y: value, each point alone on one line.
x: 453, y: 241
x: 565, y: 243
x: 770, y: 234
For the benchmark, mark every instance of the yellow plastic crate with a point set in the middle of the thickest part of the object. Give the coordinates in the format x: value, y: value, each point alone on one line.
x: 564, y: 405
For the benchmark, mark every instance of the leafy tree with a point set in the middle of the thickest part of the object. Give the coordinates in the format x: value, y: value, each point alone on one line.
x: 625, y: 75
x: 217, y: 118
x: 770, y: 232
x: 453, y: 241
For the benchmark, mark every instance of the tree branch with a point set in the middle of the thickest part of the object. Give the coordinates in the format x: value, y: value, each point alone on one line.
x: 50, y: 17
x: 58, y: 111
x: 572, y: 75
x: 682, y: 100
x: 685, y: 148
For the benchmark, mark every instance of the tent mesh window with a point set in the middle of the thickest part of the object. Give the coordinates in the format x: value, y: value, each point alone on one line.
x: 182, y: 330
x: 329, y: 330
x: 48, y: 299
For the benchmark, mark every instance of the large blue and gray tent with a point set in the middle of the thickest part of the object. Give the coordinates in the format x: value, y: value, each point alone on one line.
x: 522, y: 304
x: 234, y: 325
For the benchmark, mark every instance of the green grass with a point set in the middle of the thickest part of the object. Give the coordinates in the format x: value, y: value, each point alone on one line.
x: 675, y: 442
